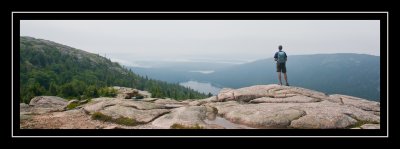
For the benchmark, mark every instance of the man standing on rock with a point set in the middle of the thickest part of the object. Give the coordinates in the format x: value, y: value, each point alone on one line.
x: 281, y: 58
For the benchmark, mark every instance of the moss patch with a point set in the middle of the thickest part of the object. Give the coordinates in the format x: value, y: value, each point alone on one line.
x: 101, y: 117
x: 126, y: 121
x: 121, y: 120
x: 179, y: 126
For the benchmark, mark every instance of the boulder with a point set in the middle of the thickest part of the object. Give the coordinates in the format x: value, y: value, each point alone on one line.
x: 264, y: 115
x: 273, y: 91
x: 100, y: 103
x: 48, y: 101
x: 140, y: 116
x: 324, y: 121
x: 126, y: 93
x: 139, y: 111
x: 44, y: 104
x: 71, y: 119
x: 312, y: 115
x: 226, y: 94
x: 187, y: 116
x: 331, y: 115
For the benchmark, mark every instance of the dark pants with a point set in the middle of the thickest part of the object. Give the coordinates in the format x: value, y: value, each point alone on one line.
x: 281, y: 67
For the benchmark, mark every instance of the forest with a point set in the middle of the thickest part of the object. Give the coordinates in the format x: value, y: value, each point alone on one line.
x: 49, y: 68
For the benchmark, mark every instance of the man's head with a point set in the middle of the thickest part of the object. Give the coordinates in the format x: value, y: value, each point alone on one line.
x: 280, y: 47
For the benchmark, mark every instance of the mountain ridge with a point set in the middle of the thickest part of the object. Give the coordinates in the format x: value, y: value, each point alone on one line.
x: 49, y: 68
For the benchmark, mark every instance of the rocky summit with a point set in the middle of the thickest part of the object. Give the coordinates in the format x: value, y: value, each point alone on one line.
x: 255, y: 107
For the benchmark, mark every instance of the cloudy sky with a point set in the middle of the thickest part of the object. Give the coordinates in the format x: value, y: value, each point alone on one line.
x: 128, y: 41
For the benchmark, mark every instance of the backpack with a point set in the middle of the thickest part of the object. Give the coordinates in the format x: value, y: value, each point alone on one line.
x: 281, y: 57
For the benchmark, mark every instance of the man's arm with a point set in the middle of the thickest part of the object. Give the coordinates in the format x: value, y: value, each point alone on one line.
x: 285, y: 57
x: 276, y: 56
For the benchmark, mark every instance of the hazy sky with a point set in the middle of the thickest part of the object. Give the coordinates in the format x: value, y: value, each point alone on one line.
x: 128, y: 41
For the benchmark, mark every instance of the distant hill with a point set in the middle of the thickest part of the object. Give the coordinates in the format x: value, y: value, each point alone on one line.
x: 346, y: 73
x: 49, y: 68
x: 351, y: 74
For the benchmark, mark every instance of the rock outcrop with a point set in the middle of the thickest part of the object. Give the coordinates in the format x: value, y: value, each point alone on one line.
x: 275, y: 106
x: 258, y: 115
x: 203, y: 101
x: 142, y: 112
x: 261, y: 106
x: 188, y: 116
x: 125, y: 93
x: 45, y: 104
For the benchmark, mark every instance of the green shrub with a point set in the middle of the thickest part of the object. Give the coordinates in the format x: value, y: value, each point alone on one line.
x: 72, y: 106
x: 107, y: 92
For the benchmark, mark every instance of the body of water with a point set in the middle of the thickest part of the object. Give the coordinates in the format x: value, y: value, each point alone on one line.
x: 201, y: 87
x: 203, y: 71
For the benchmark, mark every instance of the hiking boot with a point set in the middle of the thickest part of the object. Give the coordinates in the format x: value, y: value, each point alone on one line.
x: 287, y: 84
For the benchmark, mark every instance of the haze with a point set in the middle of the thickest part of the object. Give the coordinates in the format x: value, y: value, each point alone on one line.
x: 231, y: 41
